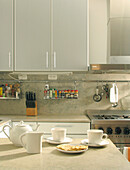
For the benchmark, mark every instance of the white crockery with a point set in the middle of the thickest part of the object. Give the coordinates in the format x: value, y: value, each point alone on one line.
x: 96, y: 136
x: 16, y: 131
x: 58, y: 134
x: 33, y: 142
x: 75, y: 151
x: 102, y: 144
x: 66, y: 140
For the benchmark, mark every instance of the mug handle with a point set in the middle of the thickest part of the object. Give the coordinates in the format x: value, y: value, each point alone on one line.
x: 21, y: 140
x: 104, y: 136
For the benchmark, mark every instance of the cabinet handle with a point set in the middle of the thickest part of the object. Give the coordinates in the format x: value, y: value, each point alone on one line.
x: 47, y: 59
x: 9, y: 59
x: 63, y: 126
x: 54, y: 59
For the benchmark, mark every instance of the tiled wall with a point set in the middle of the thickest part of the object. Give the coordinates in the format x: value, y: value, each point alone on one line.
x: 86, y: 84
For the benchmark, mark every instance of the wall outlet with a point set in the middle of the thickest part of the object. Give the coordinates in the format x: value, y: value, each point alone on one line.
x: 22, y: 77
x: 52, y: 77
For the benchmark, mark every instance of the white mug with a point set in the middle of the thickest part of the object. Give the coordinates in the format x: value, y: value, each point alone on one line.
x: 58, y: 134
x: 96, y: 136
x: 33, y: 142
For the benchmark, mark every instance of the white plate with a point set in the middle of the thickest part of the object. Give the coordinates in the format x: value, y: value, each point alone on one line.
x: 50, y: 140
x: 80, y: 151
x: 103, y: 143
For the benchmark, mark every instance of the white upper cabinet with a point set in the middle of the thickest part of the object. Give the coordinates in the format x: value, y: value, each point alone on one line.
x: 50, y: 35
x: 69, y: 35
x: 6, y: 35
x: 32, y: 35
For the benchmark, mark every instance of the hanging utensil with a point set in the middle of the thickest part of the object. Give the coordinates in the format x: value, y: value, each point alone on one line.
x: 97, y: 97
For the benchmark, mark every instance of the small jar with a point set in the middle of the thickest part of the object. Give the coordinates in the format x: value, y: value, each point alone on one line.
x: 76, y: 94
x: 59, y: 94
x: 65, y: 93
x: 62, y: 94
x: 55, y: 94
x: 69, y: 94
x: 45, y: 94
x: 72, y: 94
x: 50, y: 93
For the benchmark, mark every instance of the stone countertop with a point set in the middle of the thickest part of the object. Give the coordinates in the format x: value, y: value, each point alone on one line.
x: 46, y: 118
x: 16, y: 158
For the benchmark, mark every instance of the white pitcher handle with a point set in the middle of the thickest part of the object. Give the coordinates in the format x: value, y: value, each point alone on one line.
x: 5, y: 132
x: 21, y: 140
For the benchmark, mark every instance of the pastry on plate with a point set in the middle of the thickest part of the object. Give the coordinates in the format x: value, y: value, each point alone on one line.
x: 68, y: 147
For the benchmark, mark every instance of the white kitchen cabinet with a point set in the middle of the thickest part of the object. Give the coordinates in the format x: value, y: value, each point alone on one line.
x: 74, y: 130
x: 69, y: 35
x: 6, y: 35
x: 32, y: 35
x: 51, y: 35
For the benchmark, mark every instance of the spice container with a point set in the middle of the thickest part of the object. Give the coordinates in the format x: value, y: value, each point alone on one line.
x: 59, y: 94
x: 69, y: 93
x: 50, y: 93
x: 6, y: 90
x: 65, y: 91
x: 53, y: 93
x: 76, y: 94
x: 72, y: 94
x: 1, y: 91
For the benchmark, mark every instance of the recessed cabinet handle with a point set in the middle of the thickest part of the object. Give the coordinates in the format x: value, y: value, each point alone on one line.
x: 9, y: 59
x: 47, y: 59
x: 63, y: 126
x: 54, y: 59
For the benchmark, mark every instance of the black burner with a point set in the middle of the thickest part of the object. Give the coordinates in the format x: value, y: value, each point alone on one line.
x: 111, y: 116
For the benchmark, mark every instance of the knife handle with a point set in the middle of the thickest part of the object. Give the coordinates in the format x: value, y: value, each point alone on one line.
x: 27, y: 96
x: 34, y: 96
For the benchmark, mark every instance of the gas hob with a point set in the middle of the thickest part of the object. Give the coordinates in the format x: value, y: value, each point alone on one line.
x: 115, y: 117
x: 115, y: 123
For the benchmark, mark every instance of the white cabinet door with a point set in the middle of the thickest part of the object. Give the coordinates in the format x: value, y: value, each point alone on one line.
x: 32, y: 35
x: 6, y: 35
x: 69, y: 35
x: 74, y: 130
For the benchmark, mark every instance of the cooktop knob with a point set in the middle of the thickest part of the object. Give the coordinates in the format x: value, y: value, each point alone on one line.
x: 109, y: 130
x: 126, y: 131
x: 118, y: 130
x: 100, y: 128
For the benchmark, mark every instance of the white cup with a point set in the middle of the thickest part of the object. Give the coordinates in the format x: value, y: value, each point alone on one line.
x: 33, y: 141
x: 58, y: 134
x: 96, y: 136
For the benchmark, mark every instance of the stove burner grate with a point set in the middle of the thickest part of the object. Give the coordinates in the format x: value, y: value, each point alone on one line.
x: 111, y: 117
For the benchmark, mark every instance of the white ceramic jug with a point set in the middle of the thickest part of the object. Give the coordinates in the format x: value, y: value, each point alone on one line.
x: 33, y: 142
x: 16, y: 131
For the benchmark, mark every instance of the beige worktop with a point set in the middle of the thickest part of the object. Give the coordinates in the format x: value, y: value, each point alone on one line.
x: 15, y: 158
x: 46, y: 118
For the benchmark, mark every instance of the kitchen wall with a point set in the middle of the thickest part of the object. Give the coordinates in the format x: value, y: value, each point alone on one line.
x: 85, y: 81
x: 85, y: 85
x: 98, y: 18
